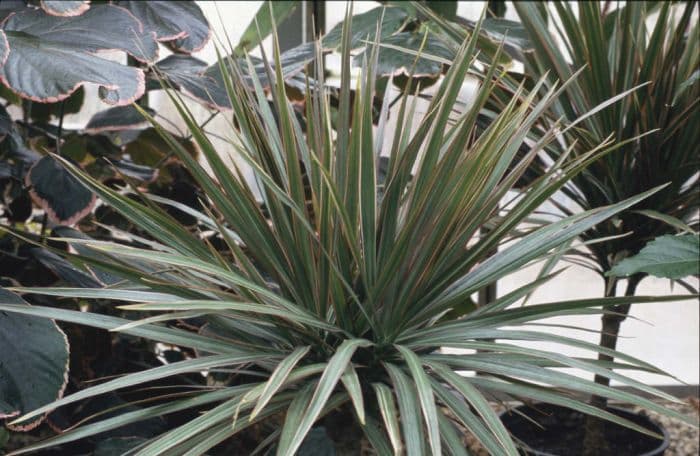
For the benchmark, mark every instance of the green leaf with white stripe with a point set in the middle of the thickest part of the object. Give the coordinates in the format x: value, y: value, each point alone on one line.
x: 337, y: 365
x: 425, y: 395
x: 387, y: 408
x: 277, y: 378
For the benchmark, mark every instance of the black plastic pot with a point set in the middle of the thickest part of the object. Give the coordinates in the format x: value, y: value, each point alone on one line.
x: 561, y: 432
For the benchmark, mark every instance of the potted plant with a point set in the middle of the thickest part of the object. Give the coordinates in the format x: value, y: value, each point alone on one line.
x: 315, y: 297
x: 617, y: 51
x: 672, y: 257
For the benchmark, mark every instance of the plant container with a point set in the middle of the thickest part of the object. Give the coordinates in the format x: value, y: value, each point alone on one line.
x: 552, y: 430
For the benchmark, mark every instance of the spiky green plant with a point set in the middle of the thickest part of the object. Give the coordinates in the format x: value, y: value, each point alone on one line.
x: 619, y: 52
x: 338, y: 295
x: 615, y: 50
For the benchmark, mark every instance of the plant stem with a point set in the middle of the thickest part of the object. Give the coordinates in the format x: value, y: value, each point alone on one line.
x: 44, y: 220
x: 59, y: 132
x: 26, y: 115
x: 610, y: 332
x: 594, y: 442
x: 497, y: 8
x: 489, y: 293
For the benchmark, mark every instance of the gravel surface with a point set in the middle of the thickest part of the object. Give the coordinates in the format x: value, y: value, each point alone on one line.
x: 685, y: 439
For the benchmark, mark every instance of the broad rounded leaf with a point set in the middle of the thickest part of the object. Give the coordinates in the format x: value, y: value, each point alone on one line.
x: 205, y: 83
x: 364, y: 27
x: 55, y: 190
x: 50, y: 57
x: 19, y: 208
x: 181, y: 22
x: 8, y: 7
x: 15, y: 147
x: 400, y: 58
x: 6, y: 170
x: 670, y: 257
x: 514, y: 36
x: 192, y: 76
x: 446, y: 9
x: 65, y: 270
x: 117, y: 119
x: 510, y: 32
x: 194, y: 42
x: 65, y: 7
x: 33, y: 363
x: 261, y: 26
x: 149, y: 148
x: 292, y: 60
x: 43, y: 112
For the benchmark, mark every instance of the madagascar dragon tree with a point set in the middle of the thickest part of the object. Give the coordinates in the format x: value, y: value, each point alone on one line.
x: 608, y: 50
x: 617, y: 51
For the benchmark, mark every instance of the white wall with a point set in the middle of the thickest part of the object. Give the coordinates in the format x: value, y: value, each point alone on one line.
x: 663, y: 334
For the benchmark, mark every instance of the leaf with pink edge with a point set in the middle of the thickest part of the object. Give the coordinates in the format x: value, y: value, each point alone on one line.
x: 65, y: 8
x: 182, y: 24
x: 49, y: 57
x: 33, y: 363
x: 117, y: 118
x: 55, y: 190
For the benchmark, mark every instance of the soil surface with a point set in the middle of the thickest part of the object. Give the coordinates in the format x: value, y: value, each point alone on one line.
x: 559, y: 431
x: 684, y: 438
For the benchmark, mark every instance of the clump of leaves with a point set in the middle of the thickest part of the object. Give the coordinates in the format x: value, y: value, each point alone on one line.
x: 48, y: 52
x: 337, y: 297
x: 617, y: 51
x: 45, y: 81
